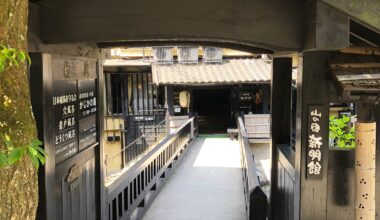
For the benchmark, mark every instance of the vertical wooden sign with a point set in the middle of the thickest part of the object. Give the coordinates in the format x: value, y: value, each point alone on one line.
x: 87, y: 113
x: 315, y: 142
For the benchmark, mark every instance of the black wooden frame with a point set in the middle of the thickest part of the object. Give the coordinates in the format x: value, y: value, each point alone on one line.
x: 42, y: 74
x: 280, y: 129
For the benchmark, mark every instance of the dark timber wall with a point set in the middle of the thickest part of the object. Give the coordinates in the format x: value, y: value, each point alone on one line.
x: 333, y: 196
x: 64, y: 99
x: 313, y: 89
x: 294, y: 195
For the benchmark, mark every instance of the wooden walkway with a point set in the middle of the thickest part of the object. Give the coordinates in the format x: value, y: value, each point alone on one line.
x: 206, y: 185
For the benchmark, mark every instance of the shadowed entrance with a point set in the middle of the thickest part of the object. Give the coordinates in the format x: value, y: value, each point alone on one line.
x: 214, y: 109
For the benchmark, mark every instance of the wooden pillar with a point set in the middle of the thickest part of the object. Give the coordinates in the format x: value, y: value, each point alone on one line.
x: 313, y: 89
x: 101, y: 153
x: 266, y: 98
x: 365, y: 171
x: 280, y: 123
x: 169, y: 99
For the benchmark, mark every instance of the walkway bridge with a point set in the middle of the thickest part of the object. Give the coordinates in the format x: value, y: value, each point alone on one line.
x: 189, y: 177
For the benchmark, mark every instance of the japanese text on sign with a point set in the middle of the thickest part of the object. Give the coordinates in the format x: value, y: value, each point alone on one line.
x: 315, y: 142
x: 65, y: 119
x: 87, y: 113
x: 64, y: 99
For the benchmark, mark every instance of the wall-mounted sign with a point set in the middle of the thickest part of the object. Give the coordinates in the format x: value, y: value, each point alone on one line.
x: 144, y: 118
x: 245, y: 99
x: 246, y: 96
x: 177, y: 109
x: 315, y: 142
x: 87, y: 113
x: 74, y: 116
x: 65, y: 119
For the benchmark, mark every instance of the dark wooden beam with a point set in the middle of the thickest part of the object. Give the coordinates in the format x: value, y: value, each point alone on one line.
x: 362, y: 50
x: 272, y: 24
x: 150, y: 43
x: 354, y: 65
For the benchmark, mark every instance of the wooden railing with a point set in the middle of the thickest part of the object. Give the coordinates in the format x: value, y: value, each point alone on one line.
x: 134, y: 150
x: 141, y: 122
x: 129, y: 195
x: 255, y: 199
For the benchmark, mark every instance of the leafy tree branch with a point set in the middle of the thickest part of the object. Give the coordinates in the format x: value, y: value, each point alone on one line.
x: 12, y: 57
x: 341, y: 132
x: 12, y: 154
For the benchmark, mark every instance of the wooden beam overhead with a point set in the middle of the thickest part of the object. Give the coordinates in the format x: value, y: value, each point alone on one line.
x: 362, y: 50
x: 354, y: 65
x: 271, y: 25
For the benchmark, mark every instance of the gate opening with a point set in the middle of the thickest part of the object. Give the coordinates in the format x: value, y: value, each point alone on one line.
x: 214, y: 110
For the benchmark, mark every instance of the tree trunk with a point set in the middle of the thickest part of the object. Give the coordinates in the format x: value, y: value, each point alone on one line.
x: 18, y: 183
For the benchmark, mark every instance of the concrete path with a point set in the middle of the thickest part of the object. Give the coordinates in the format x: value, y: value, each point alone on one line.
x: 207, y: 184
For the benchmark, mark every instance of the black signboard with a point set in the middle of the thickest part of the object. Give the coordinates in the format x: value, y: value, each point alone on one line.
x: 245, y: 98
x: 315, y: 142
x: 87, y: 113
x: 65, y: 119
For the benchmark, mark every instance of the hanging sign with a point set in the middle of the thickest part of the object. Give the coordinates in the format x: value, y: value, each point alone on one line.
x: 245, y: 99
x: 184, y: 99
x: 315, y: 142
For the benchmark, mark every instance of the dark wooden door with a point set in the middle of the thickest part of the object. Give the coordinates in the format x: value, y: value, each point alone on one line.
x: 77, y: 199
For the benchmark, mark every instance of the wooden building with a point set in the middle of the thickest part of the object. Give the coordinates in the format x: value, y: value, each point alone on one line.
x: 217, y: 92
x: 132, y: 96
x: 70, y: 41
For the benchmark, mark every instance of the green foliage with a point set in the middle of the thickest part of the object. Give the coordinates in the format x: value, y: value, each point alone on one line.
x: 12, y: 154
x: 341, y: 132
x: 12, y: 57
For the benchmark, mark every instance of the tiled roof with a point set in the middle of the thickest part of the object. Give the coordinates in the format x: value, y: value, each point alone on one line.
x: 231, y: 71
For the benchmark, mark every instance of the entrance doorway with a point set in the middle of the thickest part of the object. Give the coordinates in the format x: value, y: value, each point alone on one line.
x: 214, y: 109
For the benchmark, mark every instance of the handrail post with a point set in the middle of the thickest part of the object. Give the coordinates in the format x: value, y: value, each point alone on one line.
x: 192, y: 128
x: 106, y: 166
x: 167, y: 118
